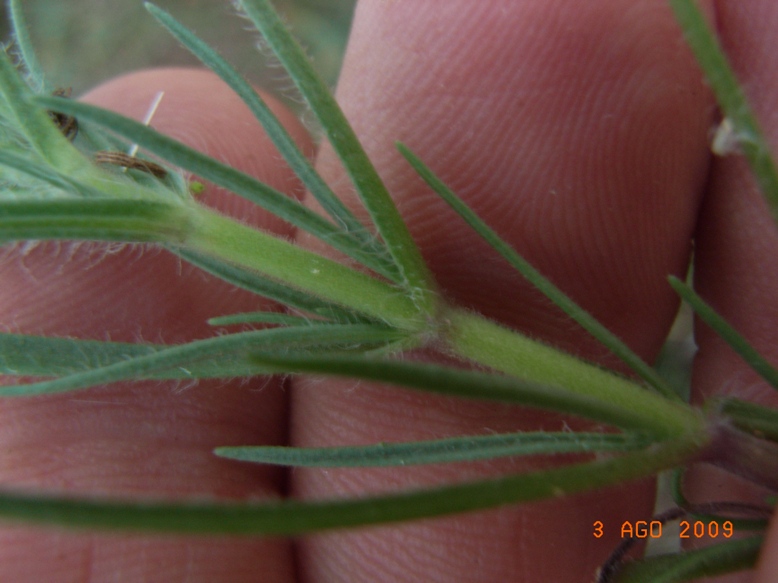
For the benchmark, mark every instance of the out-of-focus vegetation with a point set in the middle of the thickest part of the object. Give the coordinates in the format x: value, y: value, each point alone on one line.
x: 83, y: 42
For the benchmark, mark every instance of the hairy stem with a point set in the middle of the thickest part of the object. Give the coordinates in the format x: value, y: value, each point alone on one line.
x: 743, y: 454
x: 222, y: 237
x: 486, y: 342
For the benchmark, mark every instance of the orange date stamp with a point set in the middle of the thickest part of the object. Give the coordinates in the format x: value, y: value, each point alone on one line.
x: 689, y: 529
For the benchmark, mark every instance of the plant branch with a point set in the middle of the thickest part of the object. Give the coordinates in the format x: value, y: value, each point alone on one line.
x: 220, y: 236
x: 486, y: 342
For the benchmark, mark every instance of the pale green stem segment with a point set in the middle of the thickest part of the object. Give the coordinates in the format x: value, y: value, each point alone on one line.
x: 93, y: 220
x: 486, y: 342
x: 222, y: 237
x: 344, y: 141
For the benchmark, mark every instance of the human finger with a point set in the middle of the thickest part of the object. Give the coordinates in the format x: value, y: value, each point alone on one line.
x: 736, y: 269
x: 145, y: 438
x: 578, y: 132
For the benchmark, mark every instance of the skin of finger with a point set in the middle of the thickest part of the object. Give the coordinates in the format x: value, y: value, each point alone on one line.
x: 768, y: 560
x: 146, y: 438
x: 736, y: 269
x: 578, y: 132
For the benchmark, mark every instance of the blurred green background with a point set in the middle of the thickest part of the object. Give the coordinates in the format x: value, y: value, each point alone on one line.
x: 83, y: 42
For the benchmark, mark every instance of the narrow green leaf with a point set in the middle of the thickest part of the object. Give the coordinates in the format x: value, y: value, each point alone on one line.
x: 46, y: 174
x: 728, y: 557
x: 22, y: 354
x: 758, y: 420
x: 262, y: 318
x: 341, y: 136
x: 457, y: 449
x: 24, y: 42
x: 581, y: 316
x: 737, y: 342
x: 263, y: 286
x: 92, y: 219
x: 473, y: 385
x: 375, y: 256
x: 677, y: 488
x: 232, y: 345
x: 25, y: 174
x: 44, y: 356
x: 751, y: 141
x: 221, y: 174
x: 293, y: 517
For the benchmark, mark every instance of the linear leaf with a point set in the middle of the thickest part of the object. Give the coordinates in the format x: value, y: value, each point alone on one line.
x: 43, y: 356
x: 22, y: 354
x: 577, y: 313
x: 759, y: 420
x: 731, y: 98
x: 221, y: 174
x: 232, y: 345
x: 341, y: 136
x: 375, y: 252
x: 457, y: 449
x: 711, y: 561
x: 468, y: 384
x: 47, y: 174
x: 293, y: 517
x: 737, y: 342
x: 263, y: 318
x: 24, y: 42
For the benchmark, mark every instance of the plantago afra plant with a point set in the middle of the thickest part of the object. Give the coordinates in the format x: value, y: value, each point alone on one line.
x: 354, y: 320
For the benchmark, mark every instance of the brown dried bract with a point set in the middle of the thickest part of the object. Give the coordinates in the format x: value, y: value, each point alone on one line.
x: 127, y: 161
x: 67, y: 124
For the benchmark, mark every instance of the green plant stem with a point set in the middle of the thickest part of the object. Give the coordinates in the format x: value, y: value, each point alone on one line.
x: 486, y: 342
x: 222, y: 237
x: 95, y: 220
x: 543, y: 284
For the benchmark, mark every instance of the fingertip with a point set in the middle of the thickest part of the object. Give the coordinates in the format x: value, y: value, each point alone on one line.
x: 148, y: 437
x: 767, y: 567
x: 578, y: 131
x: 581, y: 138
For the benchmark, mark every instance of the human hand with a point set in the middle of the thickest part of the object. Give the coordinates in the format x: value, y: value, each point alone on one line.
x: 579, y: 133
